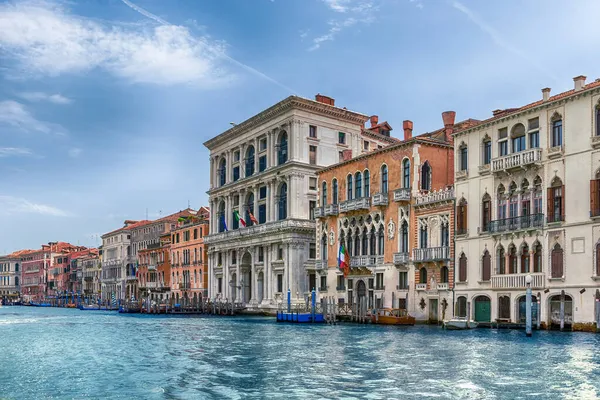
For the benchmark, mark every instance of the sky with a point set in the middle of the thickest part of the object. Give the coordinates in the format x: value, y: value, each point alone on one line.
x: 105, y: 105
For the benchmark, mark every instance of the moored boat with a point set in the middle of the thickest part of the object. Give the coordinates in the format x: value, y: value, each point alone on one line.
x: 392, y: 316
x: 459, y: 323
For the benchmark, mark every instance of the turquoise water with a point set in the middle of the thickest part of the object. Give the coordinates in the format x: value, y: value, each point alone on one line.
x: 50, y: 353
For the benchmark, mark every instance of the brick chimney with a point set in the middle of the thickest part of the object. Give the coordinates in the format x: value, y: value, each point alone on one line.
x: 374, y: 120
x: 546, y: 93
x: 579, y: 82
x: 408, y: 128
x: 325, y: 99
x: 347, y: 155
x: 448, y: 117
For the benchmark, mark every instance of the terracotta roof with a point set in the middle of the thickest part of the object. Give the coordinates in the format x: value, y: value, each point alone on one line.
x: 174, y: 217
x: 509, y: 111
x: 126, y: 228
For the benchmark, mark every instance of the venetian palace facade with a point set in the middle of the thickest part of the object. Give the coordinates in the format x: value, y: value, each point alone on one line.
x: 393, y: 210
x: 265, y: 166
x: 528, y: 181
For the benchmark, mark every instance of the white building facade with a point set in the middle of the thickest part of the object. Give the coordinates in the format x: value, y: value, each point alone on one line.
x: 527, y: 181
x: 10, y: 278
x: 116, y: 255
x: 265, y: 167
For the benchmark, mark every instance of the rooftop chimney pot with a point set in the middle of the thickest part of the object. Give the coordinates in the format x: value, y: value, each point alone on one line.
x: 579, y: 82
x: 374, y: 120
x: 448, y: 117
x: 408, y: 128
x: 546, y: 93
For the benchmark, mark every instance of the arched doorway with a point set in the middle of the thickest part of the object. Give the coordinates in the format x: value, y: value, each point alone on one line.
x: 246, y: 278
x: 483, y: 309
x: 461, y: 306
x: 260, y: 287
x: 504, y: 307
x: 233, y: 286
x: 554, y: 314
x: 361, y: 291
x: 522, y: 309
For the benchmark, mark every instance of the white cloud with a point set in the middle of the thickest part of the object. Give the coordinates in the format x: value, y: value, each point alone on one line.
x: 41, y: 96
x: 10, y: 205
x: 15, y: 114
x: 75, y: 152
x: 338, y: 5
x: 14, y: 151
x: 46, y: 39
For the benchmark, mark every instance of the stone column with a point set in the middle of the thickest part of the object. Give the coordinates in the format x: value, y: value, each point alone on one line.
x: 266, y: 276
x: 237, y: 274
x: 290, y: 182
x: 256, y: 157
x: 255, y: 211
x: 269, y: 149
x: 242, y: 161
x: 254, y: 277
x: 269, y: 201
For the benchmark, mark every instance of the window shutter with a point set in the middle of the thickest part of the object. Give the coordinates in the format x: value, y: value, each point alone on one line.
x: 562, y: 203
x: 465, y: 217
x: 550, y: 204
x: 462, y: 269
x: 485, y: 276
x: 598, y: 259
x: 593, y: 197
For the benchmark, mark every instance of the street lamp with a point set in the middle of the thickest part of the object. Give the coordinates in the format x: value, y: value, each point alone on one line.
x: 528, y: 305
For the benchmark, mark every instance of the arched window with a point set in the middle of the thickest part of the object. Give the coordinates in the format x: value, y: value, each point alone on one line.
x: 463, y: 157
x: 250, y: 161
x: 557, y: 131
x: 221, y: 216
x: 357, y: 243
x: 334, y: 189
x: 461, y: 306
x: 283, y: 201
x: 444, y: 274
x: 282, y: 155
x: 598, y: 120
x: 380, y: 241
x: 557, y: 262
x: 486, y: 266
x: 323, y: 194
x: 367, y: 176
x: 486, y: 213
x: 222, y: 172
x: 487, y: 151
x: 358, y: 185
x: 525, y: 259
x: 384, y: 179
x: 365, y: 242
x: 406, y: 173
x: 350, y: 243
x: 372, y: 244
x: 404, y: 237
x: 518, y: 138
x: 598, y: 259
x: 462, y: 268
x: 461, y: 217
x: 512, y: 260
x: 422, y: 275
x: 556, y: 206
x: 324, y: 247
x: 16, y: 280
x: 501, y: 261
x: 349, y: 184
x: 426, y: 176
x: 249, y: 208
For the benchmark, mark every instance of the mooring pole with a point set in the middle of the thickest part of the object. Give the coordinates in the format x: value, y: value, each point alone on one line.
x: 597, y: 310
x: 539, y: 310
x: 313, y: 298
x: 562, y: 310
x: 528, y: 306
x: 289, y: 301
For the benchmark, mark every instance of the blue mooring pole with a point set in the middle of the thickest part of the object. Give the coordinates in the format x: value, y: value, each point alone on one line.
x: 528, y: 306
x: 313, y: 299
x: 289, y: 301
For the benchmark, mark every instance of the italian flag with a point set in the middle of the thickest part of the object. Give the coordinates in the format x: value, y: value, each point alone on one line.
x: 240, y: 219
x: 343, y: 259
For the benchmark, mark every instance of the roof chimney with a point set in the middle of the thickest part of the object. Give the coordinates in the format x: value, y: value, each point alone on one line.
x: 325, y: 99
x: 448, y: 117
x: 546, y: 93
x: 579, y: 82
x: 374, y: 120
x: 408, y: 128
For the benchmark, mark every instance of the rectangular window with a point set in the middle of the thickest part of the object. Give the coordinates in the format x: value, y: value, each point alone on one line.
x: 513, y: 207
x: 379, y: 283
x: 340, y: 283
x: 403, y: 280
x: 280, y: 283
x: 262, y: 144
x: 262, y: 213
x: 423, y: 238
x: 236, y: 201
x: 280, y: 253
x: 366, y: 145
x: 312, y: 131
x: 312, y: 183
x: 534, y: 140
x: 341, y: 138
x: 236, y: 173
x: 219, y: 258
x: 220, y: 285
x: 518, y: 144
x: 261, y: 254
x: 312, y: 155
x: 312, y: 251
x: 503, y: 148
x: 487, y: 152
x: 262, y: 192
x: 557, y: 133
x: 445, y: 231
x: 262, y: 163
x: 311, y: 210
x: 463, y: 158
x: 323, y: 287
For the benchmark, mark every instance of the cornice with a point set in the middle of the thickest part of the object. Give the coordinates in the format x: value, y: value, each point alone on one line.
x: 291, y: 102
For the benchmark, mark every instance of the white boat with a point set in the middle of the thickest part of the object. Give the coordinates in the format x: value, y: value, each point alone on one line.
x: 459, y: 323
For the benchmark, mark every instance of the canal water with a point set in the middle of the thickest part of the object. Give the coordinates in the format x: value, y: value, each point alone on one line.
x: 48, y: 353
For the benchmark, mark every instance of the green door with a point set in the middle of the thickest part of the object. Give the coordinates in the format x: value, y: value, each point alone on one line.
x: 483, y: 309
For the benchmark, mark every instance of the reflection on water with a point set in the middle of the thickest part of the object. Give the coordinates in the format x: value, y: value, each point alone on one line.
x: 64, y: 354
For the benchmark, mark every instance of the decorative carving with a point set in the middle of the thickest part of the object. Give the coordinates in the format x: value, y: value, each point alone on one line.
x: 331, y: 237
x: 391, y: 229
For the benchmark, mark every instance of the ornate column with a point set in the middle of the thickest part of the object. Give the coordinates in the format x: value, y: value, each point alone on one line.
x: 289, y: 181
x: 225, y: 289
x: 266, y: 274
x: 238, y: 277
x: 255, y: 205
x: 254, y: 275
x: 243, y: 161
x: 269, y: 201
x: 269, y: 149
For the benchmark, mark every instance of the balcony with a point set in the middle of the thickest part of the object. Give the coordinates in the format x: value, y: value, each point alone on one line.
x: 533, y: 221
x: 421, y: 286
x: 185, y: 285
x: 427, y: 198
x: 319, y: 212
x: 380, y: 199
x: 402, y: 194
x: 517, y: 160
x: 340, y: 288
x: 461, y: 174
x: 401, y: 258
x: 517, y: 281
x: 289, y: 224
x: 362, y: 203
x: 366, y: 261
x: 431, y: 254
x: 401, y: 287
x: 484, y: 169
x: 151, y: 267
x: 555, y: 152
x: 320, y: 265
x: 443, y: 286
x: 331, y: 209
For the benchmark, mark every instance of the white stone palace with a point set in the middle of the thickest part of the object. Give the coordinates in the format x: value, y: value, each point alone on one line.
x: 265, y: 166
x: 528, y: 181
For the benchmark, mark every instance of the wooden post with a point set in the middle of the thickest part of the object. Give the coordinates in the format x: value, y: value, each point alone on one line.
x: 562, y: 310
x: 539, y: 310
x: 597, y: 310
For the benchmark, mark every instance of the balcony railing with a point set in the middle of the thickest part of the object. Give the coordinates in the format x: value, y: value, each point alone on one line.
x: 517, y: 160
x: 366, y: 261
x: 433, y: 197
x: 319, y: 212
x: 421, y: 286
x: 517, y: 223
x: 401, y: 258
x: 402, y: 194
x: 331, y: 209
x: 380, y: 199
x: 517, y: 281
x: 431, y: 254
x: 362, y: 203
x: 320, y: 264
x: 555, y: 218
x: 185, y: 285
x: 340, y: 288
x: 271, y: 227
x: 401, y: 287
x: 443, y: 286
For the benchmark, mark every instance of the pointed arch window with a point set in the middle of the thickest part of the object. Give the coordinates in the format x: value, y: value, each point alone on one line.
x: 323, y: 194
x: 461, y: 217
x: 525, y: 259
x: 501, y: 261
x: 557, y: 132
x: 556, y: 206
x: 426, y: 176
x: 334, y: 189
x: 358, y: 185
x: 464, y: 159
x: 487, y: 151
x: 557, y: 262
x: 462, y: 268
x: 512, y: 260
x: 380, y: 241
x: 444, y: 274
x: 367, y: 178
x: 404, y: 237
x: 595, y: 195
x: 486, y: 213
x: 349, y: 184
x: 372, y: 242
x: 598, y: 120
x: 537, y: 257
x: 406, y: 173
x: 384, y: 179
x: 486, y: 266
x: 282, y: 201
x: 365, y: 242
x: 357, y: 245
x: 324, y: 247
x: 598, y: 259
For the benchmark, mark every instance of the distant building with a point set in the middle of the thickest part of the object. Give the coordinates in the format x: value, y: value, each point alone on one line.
x: 10, y: 276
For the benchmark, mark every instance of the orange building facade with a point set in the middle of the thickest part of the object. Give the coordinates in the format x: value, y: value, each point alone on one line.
x: 154, y: 270
x: 393, y: 211
x: 189, y: 275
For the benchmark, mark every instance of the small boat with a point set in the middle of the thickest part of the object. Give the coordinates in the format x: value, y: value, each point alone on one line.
x: 392, y: 316
x: 40, y: 304
x: 130, y: 309
x: 459, y: 323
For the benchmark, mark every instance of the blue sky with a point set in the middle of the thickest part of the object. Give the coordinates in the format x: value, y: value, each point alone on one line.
x: 104, y: 105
